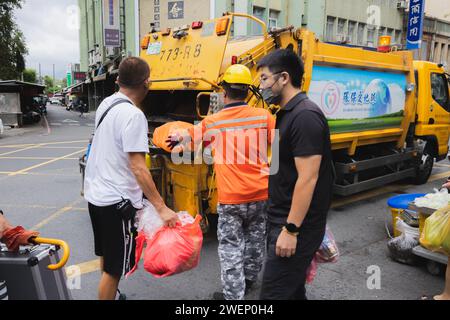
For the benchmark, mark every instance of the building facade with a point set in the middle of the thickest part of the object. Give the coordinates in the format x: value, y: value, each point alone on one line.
x: 361, y: 22
x: 436, y: 36
x: 108, y: 32
x: 354, y: 22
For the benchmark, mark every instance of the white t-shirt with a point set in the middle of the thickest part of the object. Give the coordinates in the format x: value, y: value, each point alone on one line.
x: 108, y: 176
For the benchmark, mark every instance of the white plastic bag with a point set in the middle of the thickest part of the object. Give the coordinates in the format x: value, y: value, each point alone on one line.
x: 149, y: 221
x: 436, y: 200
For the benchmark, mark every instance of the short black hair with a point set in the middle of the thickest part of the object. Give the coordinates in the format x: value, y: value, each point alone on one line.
x: 285, y: 60
x: 133, y: 71
x: 234, y: 93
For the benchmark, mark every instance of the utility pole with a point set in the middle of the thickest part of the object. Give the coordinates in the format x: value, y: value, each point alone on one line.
x: 40, y: 75
x: 54, y: 84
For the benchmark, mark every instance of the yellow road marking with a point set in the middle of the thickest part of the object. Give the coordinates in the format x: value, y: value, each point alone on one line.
x: 56, y: 215
x: 442, y: 165
x: 46, y: 163
x: 37, y: 206
x: 34, y: 158
x: 41, y: 144
x: 43, y: 147
x: 88, y: 266
x: 8, y: 173
x: 23, y: 149
x: 439, y: 176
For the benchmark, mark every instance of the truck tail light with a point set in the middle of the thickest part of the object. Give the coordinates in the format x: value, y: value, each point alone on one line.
x: 234, y: 60
x: 197, y: 25
x: 222, y: 26
x: 145, y: 41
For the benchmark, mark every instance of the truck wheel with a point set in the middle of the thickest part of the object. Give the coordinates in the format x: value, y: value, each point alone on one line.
x: 425, y: 168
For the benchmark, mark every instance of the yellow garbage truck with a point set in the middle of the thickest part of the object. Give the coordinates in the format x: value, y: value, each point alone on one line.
x: 388, y: 115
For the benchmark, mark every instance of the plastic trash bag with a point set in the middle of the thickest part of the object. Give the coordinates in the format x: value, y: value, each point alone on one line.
x: 436, y: 200
x: 400, y: 248
x: 312, y: 271
x: 162, y: 133
x: 328, y: 251
x: 149, y: 221
x: 171, y: 250
x: 436, y: 232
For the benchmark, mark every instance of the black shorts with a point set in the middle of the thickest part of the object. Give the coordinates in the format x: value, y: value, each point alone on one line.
x: 115, y: 239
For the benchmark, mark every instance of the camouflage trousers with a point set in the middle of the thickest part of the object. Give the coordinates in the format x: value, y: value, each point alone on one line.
x: 241, y: 232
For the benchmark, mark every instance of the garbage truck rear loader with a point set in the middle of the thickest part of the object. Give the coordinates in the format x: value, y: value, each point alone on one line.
x: 388, y: 115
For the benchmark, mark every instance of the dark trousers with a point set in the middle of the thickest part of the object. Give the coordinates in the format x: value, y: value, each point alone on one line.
x: 284, y: 278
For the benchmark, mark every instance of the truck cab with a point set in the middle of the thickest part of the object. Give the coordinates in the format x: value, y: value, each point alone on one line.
x: 432, y: 120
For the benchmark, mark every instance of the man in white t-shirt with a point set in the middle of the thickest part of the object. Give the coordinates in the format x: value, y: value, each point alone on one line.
x: 117, y: 177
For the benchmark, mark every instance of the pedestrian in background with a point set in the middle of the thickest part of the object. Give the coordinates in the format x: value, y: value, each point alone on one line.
x: 300, y: 192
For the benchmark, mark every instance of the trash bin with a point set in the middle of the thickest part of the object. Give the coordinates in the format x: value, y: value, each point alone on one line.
x: 399, y: 203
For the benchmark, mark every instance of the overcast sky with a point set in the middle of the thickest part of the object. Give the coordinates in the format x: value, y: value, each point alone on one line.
x: 51, y: 32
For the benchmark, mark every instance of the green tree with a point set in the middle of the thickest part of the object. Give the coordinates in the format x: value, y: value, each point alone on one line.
x: 48, y: 82
x: 29, y: 75
x: 12, y: 42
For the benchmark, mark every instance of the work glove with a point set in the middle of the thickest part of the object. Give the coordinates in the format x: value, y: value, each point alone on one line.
x: 174, y: 140
x: 18, y: 236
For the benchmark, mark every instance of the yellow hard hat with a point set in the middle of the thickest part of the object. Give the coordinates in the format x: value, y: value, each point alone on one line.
x: 238, y: 74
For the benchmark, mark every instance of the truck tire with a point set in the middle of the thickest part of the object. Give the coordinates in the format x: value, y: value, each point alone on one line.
x: 425, y: 168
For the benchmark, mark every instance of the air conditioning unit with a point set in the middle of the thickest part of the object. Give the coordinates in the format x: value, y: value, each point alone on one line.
x: 402, y: 5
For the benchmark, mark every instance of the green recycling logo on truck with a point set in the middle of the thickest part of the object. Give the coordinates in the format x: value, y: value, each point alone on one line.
x: 352, y: 98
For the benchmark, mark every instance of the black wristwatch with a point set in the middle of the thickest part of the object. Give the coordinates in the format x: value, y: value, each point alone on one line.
x: 292, y: 228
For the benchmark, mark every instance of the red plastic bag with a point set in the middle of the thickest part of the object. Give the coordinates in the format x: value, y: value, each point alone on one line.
x: 311, y: 272
x: 171, y: 250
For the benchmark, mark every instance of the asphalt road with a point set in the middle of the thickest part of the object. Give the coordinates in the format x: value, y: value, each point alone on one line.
x: 40, y: 189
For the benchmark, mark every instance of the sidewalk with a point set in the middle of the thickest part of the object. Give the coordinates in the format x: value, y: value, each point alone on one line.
x: 15, y: 132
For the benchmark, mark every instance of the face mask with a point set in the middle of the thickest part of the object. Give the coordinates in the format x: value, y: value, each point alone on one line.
x: 269, y: 96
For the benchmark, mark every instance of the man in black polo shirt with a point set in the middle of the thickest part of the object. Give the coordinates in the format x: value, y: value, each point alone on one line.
x: 300, y: 191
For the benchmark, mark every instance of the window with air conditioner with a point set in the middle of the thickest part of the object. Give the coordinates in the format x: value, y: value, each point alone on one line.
x: 351, y: 30
x: 259, y: 13
x: 361, y: 31
x: 330, y: 28
x: 273, y: 18
x: 371, y: 35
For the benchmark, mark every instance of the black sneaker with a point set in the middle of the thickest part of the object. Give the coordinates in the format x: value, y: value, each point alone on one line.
x: 218, y: 296
x: 120, y: 296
